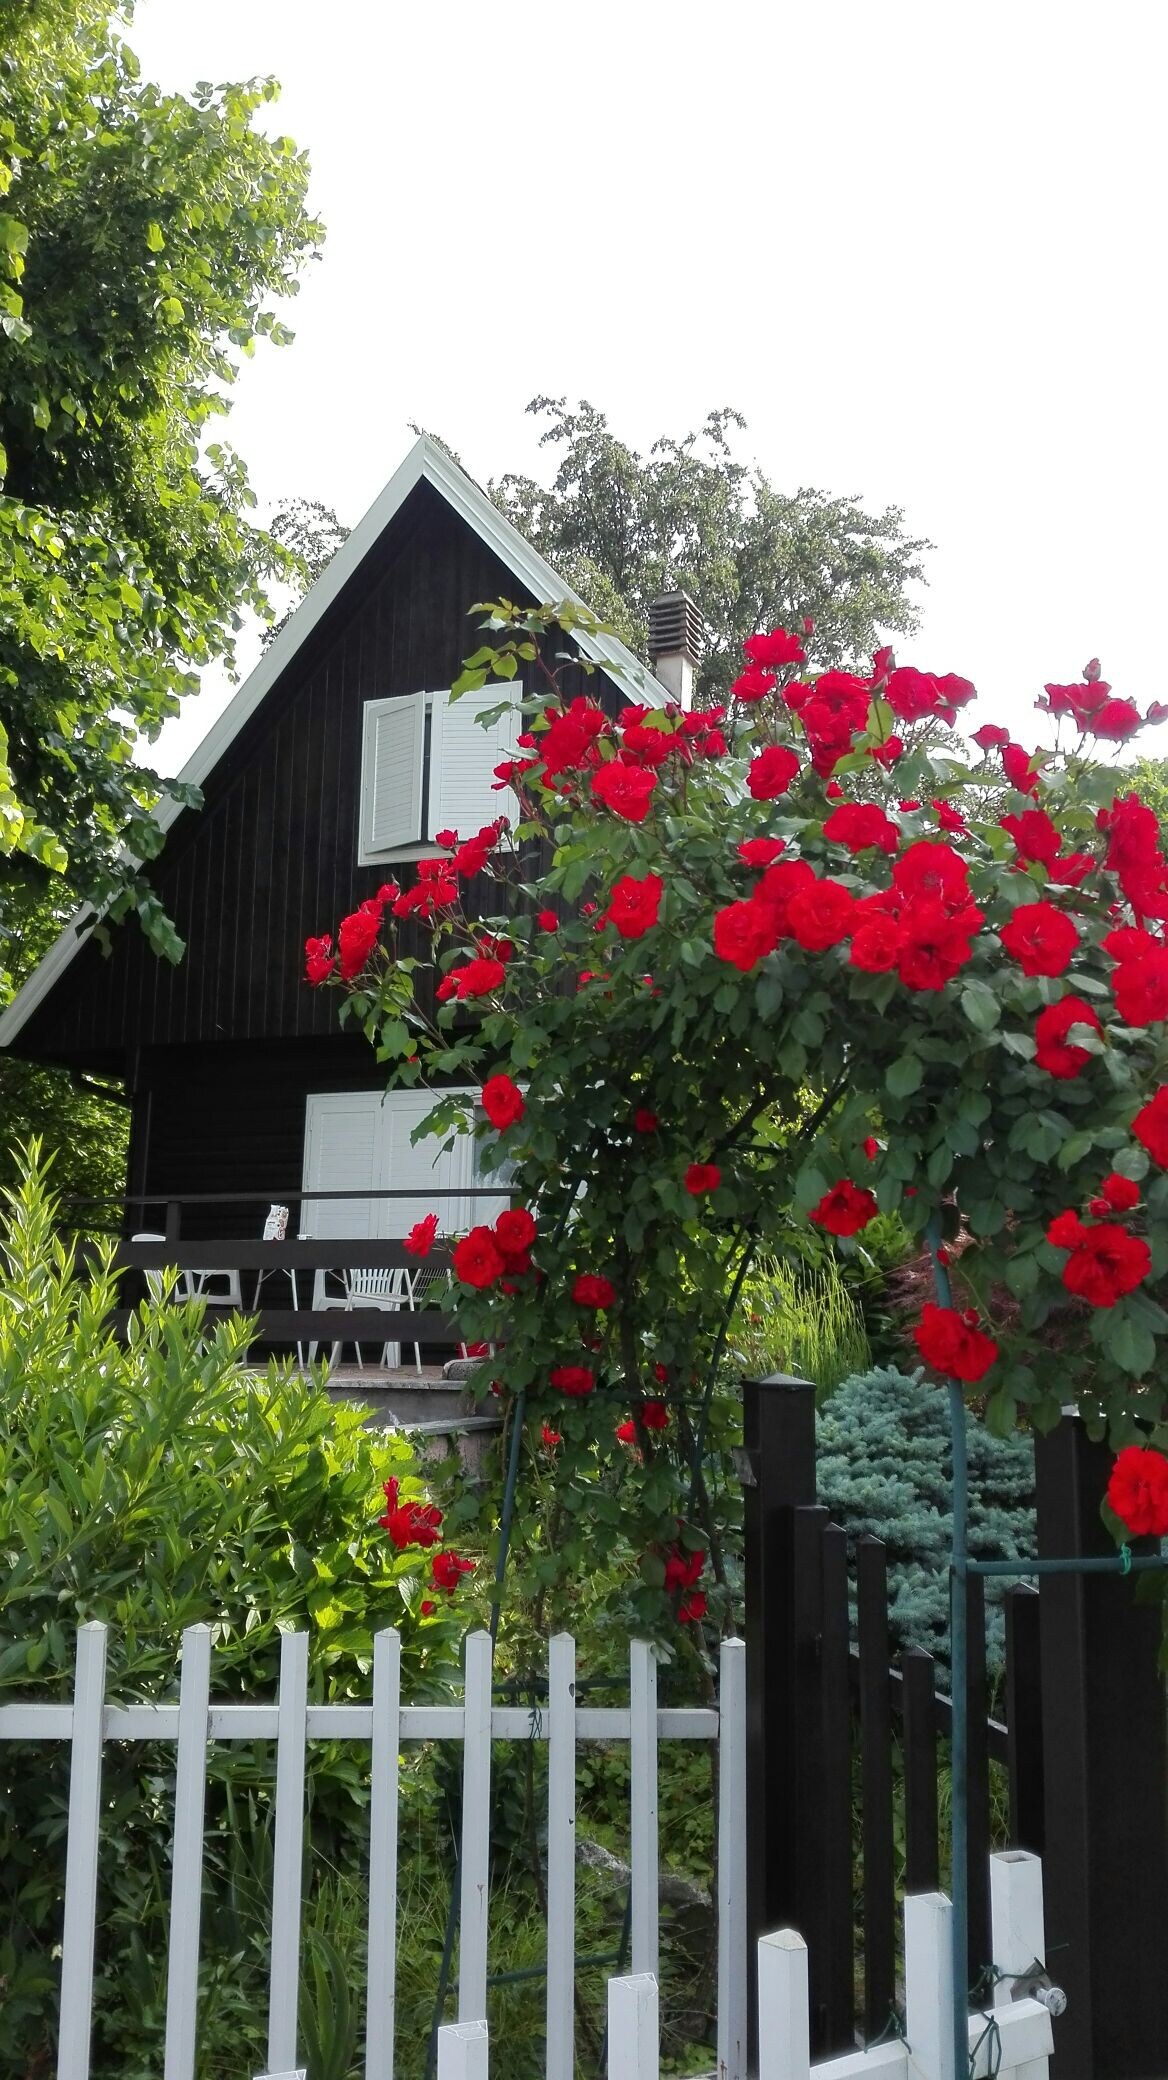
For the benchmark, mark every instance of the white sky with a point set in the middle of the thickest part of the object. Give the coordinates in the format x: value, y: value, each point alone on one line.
x: 920, y: 247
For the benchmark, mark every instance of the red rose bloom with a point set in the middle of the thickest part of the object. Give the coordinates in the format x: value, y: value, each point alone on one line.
x: 447, y: 1570
x: 644, y: 1121
x: 682, y: 1570
x: 420, y: 1240
x: 318, y: 959
x: 625, y: 789
x: 634, y: 904
x: 845, y: 1209
x: 654, y: 1415
x: 479, y: 978
x: 946, y: 1341
x: 547, y: 921
x: 760, y: 852
x: 1019, y: 769
x: 1105, y: 1263
x: 779, y: 886
x: 871, y: 1148
x: 1034, y: 835
x: 1054, y: 1055
x: 949, y: 818
x: 702, y: 1177
x: 358, y: 937
x: 477, y: 1259
x: 1066, y: 1230
x: 931, y: 868
x: 1116, y: 720
x: 744, y: 932
x: 593, y: 1290
x: 753, y: 684
x: 876, y: 941
x: 990, y: 737
x: 573, y: 1380
x: 692, y: 1608
x: 514, y: 1233
x: 502, y: 1102
x: 1150, y: 1126
x: 777, y: 648
x: 861, y: 825
x: 412, y: 1524
x: 1120, y: 1193
x: 820, y: 915
x: 1141, y: 988
x: 626, y: 1432
x: 549, y: 1438
x: 771, y: 772
x: 1040, y: 938
x: 1138, y: 1491
x: 934, y: 944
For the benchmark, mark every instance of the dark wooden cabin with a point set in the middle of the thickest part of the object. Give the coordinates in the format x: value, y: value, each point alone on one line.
x: 333, y: 766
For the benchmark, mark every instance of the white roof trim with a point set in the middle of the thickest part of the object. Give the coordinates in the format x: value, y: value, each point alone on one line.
x: 424, y: 461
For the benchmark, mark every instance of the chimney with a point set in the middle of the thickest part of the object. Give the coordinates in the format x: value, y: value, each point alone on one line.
x: 677, y: 642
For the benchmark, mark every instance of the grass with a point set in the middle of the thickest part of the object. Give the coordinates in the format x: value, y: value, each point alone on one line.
x: 799, y: 1318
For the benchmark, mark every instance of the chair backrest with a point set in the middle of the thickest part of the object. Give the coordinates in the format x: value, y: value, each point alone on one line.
x: 378, y: 1285
x: 156, y: 1282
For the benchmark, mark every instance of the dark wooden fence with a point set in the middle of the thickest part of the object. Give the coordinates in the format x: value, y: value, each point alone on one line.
x: 848, y: 1760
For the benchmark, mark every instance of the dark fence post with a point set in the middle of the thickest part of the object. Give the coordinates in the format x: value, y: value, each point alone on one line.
x: 778, y: 1429
x: 1024, y: 1717
x: 1105, y: 1863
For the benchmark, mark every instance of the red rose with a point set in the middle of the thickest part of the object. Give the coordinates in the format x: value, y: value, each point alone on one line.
x: 1141, y: 988
x: 949, y: 818
x: 1054, y: 1055
x: 447, y: 1569
x: 946, y: 1341
x: 1066, y: 1230
x: 1150, y: 1126
x: 358, y: 937
x: 876, y: 941
x: 820, y: 915
x: 634, y: 904
x: 861, y: 825
x: 318, y: 959
x: 420, y: 1240
x: 1120, y: 1193
x: 574, y: 1380
x: 477, y: 1259
x: 989, y: 737
x: 514, y: 1233
x: 682, y: 1570
x: 1019, y: 768
x: 547, y: 921
x: 654, y: 1415
x: 779, y: 885
x: 412, y: 1524
x: 771, y: 772
x: 692, y: 1608
x: 593, y: 1290
x: 753, y: 684
x: 479, y: 978
x: 777, y: 648
x: 1116, y: 720
x: 626, y: 1432
x: 744, y: 932
x: 871, y: 1148
x: 702, y: 1177
x: 1138, y: 1491
x: 934, y: 944
x: 625, y: 789
x: 1040, y: 938
x: 760, y: 852
x: 931, y: 868
x: 447, y: 838
x: 845, y: 1209
x: 644, y: 1121
x: 1105, y: 1263
x: 502, y: 1101
x: 648, y: 747
x: 549, y: 1438
x: 1034, y: 835
x: 887, y: 753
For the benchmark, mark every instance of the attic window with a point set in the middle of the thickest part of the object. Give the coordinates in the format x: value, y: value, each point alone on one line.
x: 427, y: 765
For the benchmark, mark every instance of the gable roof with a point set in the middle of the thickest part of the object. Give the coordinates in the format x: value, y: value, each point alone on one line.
x: 425, y: 463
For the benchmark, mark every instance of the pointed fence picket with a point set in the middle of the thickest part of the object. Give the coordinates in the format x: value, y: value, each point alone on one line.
x: 291, y: 1722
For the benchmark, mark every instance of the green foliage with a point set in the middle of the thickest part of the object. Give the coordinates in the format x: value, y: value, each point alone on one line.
x: 623, y: 527
x: 885, y: 1470
x: 158, y: 1484
x: 799, y: 1318
x: 143, y: 238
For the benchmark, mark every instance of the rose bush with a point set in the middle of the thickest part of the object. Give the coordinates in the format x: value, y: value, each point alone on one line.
x: 942, y: 971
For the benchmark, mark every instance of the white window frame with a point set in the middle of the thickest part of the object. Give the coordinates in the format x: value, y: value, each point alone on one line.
x: 427, y: 816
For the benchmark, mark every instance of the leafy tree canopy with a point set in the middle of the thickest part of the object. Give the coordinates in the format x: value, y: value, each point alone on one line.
x: 143, y: 237
x: 623, y: 527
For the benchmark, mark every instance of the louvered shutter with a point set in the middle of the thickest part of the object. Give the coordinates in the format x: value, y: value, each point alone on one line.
x: 463, y: 758
x: 391, y: 775
x: 343, y: 1152
x: 419, y: 1167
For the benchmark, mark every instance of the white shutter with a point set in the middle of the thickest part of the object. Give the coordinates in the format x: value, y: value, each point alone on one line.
x: 463, y: 758
x: 343, y: 1134
x: 420, y: 1167
x: 391, y: 776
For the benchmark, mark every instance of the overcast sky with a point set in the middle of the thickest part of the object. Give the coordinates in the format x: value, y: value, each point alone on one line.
x: 920, y: 247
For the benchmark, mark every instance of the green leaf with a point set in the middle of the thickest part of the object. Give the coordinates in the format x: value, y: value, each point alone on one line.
x: 980, y: 1005
x: 904, y: 1076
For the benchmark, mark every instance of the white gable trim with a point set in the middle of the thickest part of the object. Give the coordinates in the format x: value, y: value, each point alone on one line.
x: 424, y: 462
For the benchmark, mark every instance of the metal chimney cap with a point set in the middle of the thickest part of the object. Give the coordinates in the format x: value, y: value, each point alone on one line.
x: 676, y: 628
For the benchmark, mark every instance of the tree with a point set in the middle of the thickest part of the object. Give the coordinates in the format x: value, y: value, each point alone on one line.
x: 311, y: 534
x: 622, y: 528
x: 142, y: 238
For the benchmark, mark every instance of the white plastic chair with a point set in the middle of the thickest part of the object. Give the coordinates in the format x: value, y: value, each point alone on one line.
x: 322, y: 1299
x: 388, y: 1290
x: 192, y: 1285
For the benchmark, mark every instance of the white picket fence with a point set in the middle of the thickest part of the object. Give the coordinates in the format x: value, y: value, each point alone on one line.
x: 1011, y: 2037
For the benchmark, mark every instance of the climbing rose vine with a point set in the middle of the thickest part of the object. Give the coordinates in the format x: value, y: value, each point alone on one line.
x: 754, y: 974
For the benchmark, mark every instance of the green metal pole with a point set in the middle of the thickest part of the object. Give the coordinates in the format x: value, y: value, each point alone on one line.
x: 959, y: 1688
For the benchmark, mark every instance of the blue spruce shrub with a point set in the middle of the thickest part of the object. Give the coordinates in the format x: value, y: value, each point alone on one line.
x: 885, y: 1469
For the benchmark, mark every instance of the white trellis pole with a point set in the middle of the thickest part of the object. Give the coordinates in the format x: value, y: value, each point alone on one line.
x: 561, y: 1857
x: 382, y: 1932
x: 1019, y: 1932
x: 476, y: 1832
x: 732, y: 1981
x: 463, y: 2051
x: 784, y: 2022
x: 634, y: 2040
x: 643, y: 1807
x: 928, y: 1985
x: 81, y: 1856
x: 287, y: 1861
x: 186, y: 1883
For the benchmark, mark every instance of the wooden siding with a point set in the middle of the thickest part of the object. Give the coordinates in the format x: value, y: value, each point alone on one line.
x: 271, y: 856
